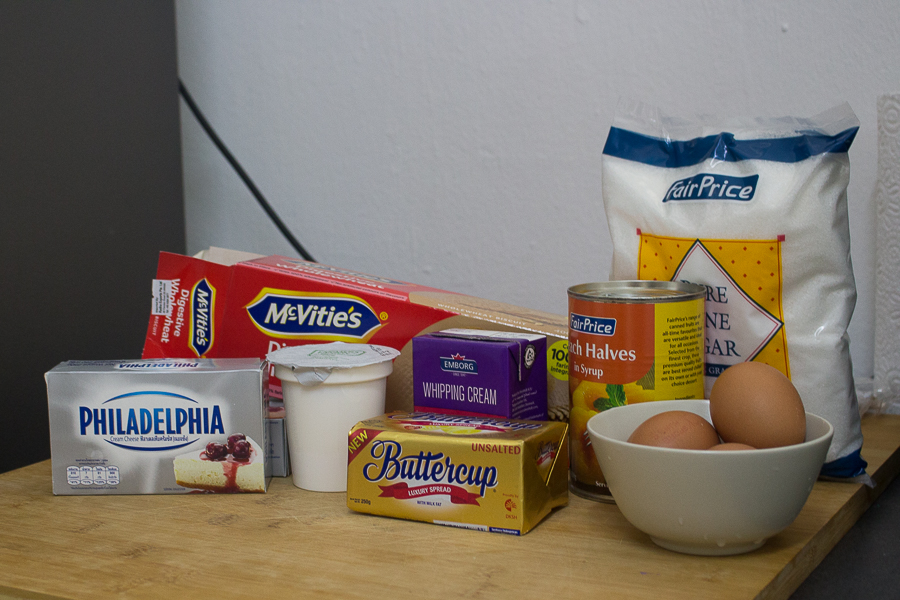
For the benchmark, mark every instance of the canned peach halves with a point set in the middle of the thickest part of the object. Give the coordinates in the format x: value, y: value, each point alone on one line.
x: 629, y: 341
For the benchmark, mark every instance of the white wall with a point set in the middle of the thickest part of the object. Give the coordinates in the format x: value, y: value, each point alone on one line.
x: 458, y: 144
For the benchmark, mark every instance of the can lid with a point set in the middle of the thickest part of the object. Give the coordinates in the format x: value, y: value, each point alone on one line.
x: 638, y: 291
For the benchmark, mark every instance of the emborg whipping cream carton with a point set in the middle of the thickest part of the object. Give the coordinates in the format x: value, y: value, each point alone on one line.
x: 471, y: 472
x: 157, y: 426
x: 482, y: 373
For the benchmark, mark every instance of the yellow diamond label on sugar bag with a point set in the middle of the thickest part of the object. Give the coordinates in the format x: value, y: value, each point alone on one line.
x: 743, y: 279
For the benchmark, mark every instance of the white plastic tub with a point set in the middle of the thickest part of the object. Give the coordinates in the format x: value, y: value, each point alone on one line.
x: 328, y: 388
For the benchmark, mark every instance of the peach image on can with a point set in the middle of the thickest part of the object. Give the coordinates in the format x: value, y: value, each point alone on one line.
x: 629, y: 341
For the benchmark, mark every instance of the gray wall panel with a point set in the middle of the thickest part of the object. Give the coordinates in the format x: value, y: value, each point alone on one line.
x: 90, y: 191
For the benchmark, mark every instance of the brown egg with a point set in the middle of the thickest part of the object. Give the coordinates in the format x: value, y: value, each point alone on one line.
x: 732, y: 446
x: 755, y: 404
x: 675, y: 429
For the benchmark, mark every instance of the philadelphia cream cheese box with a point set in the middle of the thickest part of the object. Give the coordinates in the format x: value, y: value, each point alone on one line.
x: 497, y: 475
x: 171, y: 426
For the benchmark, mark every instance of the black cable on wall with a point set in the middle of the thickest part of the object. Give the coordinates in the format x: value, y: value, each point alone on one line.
x: 241, y: 173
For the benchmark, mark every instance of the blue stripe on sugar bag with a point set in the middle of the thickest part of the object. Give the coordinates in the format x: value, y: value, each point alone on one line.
x: 722, y: 146
x: 691, y: 199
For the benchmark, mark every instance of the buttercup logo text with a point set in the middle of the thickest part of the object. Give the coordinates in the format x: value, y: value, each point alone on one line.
x: 390, y: 465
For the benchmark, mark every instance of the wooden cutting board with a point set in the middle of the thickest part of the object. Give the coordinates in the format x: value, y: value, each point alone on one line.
x: 292, y: 543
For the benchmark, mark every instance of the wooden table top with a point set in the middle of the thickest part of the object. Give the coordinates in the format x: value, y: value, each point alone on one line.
x: 293, y: 543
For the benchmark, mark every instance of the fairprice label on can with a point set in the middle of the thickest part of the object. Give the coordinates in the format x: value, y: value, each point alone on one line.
x: 629, y: 342
x: 658, y: 346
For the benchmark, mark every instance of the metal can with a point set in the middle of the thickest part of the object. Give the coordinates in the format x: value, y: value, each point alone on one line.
x: 629, y: 341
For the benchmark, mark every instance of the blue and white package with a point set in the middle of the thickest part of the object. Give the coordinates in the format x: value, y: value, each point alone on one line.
x: 170, y: 426
x: 755, y: 209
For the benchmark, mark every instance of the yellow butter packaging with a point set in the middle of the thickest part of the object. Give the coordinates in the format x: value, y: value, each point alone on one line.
x: 499, y: 475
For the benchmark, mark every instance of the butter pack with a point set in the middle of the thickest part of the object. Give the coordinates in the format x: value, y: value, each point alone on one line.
x: 498, y: 475
x: 158, y: 426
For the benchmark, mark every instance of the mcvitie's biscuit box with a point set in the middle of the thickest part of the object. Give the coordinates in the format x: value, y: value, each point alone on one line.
x: 498, y: 475
x: 218, y: 308
x: 157, y: 426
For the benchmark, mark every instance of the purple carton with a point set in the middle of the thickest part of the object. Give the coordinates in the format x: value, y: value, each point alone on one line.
x: 482, y: 373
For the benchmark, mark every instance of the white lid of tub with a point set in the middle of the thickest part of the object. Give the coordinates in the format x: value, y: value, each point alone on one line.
x: 312, y: 364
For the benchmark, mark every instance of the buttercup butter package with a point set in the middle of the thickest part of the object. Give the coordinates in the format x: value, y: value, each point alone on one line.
x: 157, y: 426
x: 472, y: 472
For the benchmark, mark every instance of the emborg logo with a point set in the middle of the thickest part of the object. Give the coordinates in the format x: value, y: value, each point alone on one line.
x: 286, y: 314
x: 706, y: 186
x: 458, y: 364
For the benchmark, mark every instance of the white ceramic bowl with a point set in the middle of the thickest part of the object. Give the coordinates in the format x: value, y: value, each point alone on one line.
x: 703, y: 502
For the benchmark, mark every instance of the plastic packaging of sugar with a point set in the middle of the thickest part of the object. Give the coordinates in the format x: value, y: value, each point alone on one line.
x: 755, y: 209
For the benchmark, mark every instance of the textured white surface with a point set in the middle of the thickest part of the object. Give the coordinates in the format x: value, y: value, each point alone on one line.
x: 887, y: 256
x: 457, y: 144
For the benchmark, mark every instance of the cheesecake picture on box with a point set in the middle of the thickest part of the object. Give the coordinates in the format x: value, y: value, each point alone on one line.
x: 234, y: 466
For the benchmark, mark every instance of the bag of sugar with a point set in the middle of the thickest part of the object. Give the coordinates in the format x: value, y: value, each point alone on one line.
x: 755, y: 210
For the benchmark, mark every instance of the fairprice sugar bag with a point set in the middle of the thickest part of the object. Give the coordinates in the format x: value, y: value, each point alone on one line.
x: 755, y: 210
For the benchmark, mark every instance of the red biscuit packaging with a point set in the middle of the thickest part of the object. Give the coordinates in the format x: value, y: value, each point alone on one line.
x: 248, y: 309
